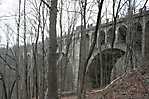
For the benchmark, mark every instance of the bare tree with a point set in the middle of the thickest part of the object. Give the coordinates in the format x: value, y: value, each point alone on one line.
x: 25, y: 55
x: 18, y: 52
x: 60, y: 69
x: 52, y: 74
x: 83, y: 47
x: 35, y: 54
x: 43, y: 52
x: 91, y: 48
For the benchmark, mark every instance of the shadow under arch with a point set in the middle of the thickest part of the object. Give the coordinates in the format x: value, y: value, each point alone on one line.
x: 109, y: 58
x: 146, y: 41
x: 137, y: 35
x: 110, y: 36
x: 121, y: 36
x: 101, y: 38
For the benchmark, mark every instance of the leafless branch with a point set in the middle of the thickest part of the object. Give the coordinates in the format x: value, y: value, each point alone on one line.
x: 145, y: 4
x: 93, y: 44
x: 10, y: 67
x: 46, y: 4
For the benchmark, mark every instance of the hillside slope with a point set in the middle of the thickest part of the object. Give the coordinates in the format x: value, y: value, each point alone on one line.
x: 131, y: 85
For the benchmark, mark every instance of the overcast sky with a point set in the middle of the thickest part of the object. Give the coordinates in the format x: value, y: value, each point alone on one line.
x: 8, y: 9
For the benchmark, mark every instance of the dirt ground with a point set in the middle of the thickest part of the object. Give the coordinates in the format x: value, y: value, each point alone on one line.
x: 69, y: 97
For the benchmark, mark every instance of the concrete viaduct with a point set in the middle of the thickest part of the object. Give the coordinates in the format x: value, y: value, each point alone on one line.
x: 138, y: 24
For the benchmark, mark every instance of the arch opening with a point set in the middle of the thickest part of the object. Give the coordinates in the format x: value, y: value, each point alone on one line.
x: 122, y: 30
x: 109, y: 58
x: 101, y: 38
x: 137, y: 36
x: 110, y: 36
x: 146, y: 41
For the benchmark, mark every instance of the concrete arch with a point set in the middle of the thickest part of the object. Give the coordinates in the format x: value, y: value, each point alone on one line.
x: 103, y: 47
x: 121, y: 35
x: 137, y: 36
x: 109, y: 58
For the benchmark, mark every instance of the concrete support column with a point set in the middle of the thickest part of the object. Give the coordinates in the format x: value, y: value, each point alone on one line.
x: 146, y: 42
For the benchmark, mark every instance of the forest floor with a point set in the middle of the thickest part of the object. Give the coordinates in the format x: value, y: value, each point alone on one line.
x: 69, y: 97
x: 132, y: 85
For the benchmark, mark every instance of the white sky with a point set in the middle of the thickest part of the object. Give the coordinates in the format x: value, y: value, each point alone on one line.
x: 7, y: 8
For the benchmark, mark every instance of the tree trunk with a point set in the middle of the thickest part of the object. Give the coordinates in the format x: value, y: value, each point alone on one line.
x: 43, y: 55
x: 83, y: 49
x: 18, y: 52
x: 82, y: 91
x: 52, y: 74
x: 25, y: 55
